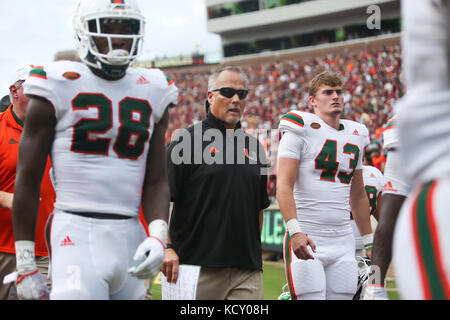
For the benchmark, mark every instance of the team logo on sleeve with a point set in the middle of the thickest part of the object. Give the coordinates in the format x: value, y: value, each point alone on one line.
x: 38, y: 72
x: 315, y: 125
x: 70, y: 75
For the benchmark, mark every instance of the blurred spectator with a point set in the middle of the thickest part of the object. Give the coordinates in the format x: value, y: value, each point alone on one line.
x: 378, y: 160
x: 372, y: 77
x: 4, y: 103
x: 272, y: 187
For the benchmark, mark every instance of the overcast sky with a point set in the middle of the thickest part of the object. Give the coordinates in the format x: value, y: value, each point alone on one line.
x: 32, y: 31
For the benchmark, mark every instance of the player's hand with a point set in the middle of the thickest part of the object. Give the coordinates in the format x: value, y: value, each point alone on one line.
x: 170, y: 265
x: 31, y: 286
x: 151, y: 251
x: 300, y: 243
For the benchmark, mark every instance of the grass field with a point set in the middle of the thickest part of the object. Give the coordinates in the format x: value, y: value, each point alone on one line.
x: 274, y: 279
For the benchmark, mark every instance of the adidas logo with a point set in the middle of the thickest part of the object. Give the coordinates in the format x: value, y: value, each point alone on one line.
x: 356, y: 133
x: 388, y: 187
x: 13, y: 141
x: 66, y: 242
x: 142, y: 80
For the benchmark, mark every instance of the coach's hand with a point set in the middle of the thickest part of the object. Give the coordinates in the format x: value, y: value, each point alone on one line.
x: 299, y: 243
x: 151, y: 251
x: 170, y: 265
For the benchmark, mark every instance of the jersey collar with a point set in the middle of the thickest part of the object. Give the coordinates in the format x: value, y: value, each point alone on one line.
x: 13, y: 120
x: 19, y: 122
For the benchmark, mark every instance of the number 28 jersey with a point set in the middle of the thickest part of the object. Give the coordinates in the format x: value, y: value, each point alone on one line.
x: 102, y: 133
x: 328, y: 159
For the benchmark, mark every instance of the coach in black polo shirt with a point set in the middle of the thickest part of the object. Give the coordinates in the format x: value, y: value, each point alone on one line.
x: 218, y: 185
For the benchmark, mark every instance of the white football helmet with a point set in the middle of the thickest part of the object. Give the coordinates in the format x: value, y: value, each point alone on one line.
x: 88, y: 20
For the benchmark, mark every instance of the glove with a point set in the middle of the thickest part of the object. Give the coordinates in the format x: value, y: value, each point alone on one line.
x: 31, y: 286
x: 375, y: 292
x: 152, y: 251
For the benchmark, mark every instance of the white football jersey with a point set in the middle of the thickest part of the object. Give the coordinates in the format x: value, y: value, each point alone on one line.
x: 102, y: 133
x: 390, y: 135
x: 424, y: 44
x: 328, y: 158
x: 424, y: 112
x: 374, y: 182
x: 396, y: 182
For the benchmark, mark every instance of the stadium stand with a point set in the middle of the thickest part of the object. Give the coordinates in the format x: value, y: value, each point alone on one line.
x: 279, y: 84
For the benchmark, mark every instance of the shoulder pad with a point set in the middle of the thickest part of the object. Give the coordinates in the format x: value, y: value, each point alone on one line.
x: 293, y: 121
x: 390, y: 135
x: 358, y: 129
x: 159, y: 78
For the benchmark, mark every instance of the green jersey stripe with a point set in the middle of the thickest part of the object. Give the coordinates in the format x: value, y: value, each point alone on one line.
x: 294, y: 118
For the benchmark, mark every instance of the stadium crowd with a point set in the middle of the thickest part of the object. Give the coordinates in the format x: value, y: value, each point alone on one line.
x: 373, y: 85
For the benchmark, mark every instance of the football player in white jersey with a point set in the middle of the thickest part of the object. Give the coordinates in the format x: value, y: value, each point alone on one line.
x: 373, y: 184
x: 395, y: 190
x: 421, y: 240
x: 104, y: 125
x: 319, y: 172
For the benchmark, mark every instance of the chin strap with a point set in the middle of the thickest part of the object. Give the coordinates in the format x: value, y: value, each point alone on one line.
x: 113, y: 72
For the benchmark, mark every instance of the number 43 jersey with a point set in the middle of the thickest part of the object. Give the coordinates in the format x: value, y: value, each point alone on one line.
x: 102, y: 133
x: 328, y: 158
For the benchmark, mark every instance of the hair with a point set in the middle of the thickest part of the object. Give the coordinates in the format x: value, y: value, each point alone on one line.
x: 327, y: 78
x: 215, y: 74
x: 17, y: 85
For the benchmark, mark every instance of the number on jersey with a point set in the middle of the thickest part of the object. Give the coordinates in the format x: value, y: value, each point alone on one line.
x: 326, y: 161
x: 134, y: 117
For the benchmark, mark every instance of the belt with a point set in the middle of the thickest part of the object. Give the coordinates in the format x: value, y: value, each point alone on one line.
x: 97, y: 215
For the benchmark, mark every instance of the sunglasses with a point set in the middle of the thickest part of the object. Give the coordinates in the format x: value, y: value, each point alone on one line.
x: 329, y: 92
x: 230, y: 92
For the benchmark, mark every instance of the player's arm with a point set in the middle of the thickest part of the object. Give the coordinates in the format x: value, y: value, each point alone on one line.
x: 6, y: 200
x: 361, y: 210
x: 156, y: 194
x: 376, y: 212
x: 35, y: 145
x: 287, y: 173
x: 155, y: 205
